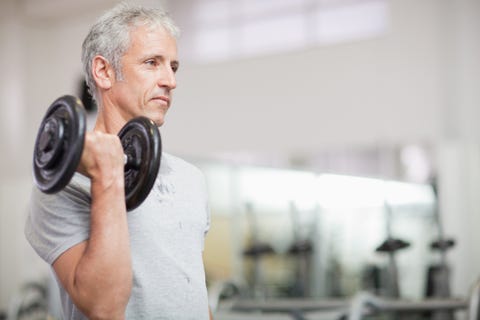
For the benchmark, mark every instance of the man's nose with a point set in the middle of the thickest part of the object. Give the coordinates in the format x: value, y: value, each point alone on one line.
x: 168, y: 79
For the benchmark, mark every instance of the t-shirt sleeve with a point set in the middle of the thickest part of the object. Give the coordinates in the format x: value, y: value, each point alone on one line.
x: 56, y: 222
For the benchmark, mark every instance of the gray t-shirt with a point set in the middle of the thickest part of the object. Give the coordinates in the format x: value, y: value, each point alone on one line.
x: 167, y: 233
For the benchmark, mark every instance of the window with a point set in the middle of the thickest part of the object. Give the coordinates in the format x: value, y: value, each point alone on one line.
x: 227, y: 29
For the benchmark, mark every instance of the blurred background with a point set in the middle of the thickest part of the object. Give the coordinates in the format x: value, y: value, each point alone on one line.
x: 339, y: 139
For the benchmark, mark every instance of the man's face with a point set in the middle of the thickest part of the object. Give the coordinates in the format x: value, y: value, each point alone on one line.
x: 148, y: 70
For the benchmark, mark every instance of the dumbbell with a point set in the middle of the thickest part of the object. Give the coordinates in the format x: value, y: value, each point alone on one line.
x: 59, y: 146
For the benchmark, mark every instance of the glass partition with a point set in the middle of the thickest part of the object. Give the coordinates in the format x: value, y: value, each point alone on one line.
x: 288, y: 233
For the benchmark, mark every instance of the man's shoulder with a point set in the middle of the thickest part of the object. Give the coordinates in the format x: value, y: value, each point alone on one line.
x: 177, y: 164
x: 77, y: 190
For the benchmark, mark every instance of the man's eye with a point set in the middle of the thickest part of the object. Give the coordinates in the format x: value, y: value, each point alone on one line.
x: 151, y: 62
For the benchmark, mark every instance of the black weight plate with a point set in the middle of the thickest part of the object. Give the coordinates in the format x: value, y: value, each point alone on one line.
x: 142, y: 144
x: 59, y: 144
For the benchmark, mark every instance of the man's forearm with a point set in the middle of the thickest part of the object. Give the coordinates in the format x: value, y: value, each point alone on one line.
x: 102, y: 280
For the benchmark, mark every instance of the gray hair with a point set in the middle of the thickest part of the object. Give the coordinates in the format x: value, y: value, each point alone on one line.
x: 109, y: 37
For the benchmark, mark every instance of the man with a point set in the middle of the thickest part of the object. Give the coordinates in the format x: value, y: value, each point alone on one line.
x: 110, y: 264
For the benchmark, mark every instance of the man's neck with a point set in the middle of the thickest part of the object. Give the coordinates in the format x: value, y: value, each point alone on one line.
x: 109, y: 119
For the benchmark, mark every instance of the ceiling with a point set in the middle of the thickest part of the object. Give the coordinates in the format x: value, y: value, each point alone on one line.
x: 61, y: 9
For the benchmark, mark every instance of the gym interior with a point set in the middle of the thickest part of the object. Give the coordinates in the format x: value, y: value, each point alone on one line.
x: 338, y: 138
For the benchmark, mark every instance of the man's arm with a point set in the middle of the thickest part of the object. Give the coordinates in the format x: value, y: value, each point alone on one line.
x: 97, y: 273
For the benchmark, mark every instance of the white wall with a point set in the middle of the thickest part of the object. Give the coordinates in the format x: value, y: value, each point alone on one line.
x: 459, y: 149
x: 13, y: 132
x: 415, y: 84
x: 384, y: 90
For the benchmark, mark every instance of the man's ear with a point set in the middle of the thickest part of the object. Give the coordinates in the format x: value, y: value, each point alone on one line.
x: 102, y: 72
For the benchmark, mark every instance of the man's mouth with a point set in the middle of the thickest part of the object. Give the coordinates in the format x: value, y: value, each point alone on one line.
x: 162, y: 98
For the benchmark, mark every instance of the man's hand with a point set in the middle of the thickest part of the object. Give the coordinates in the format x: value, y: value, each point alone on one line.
x: 102, y: 157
